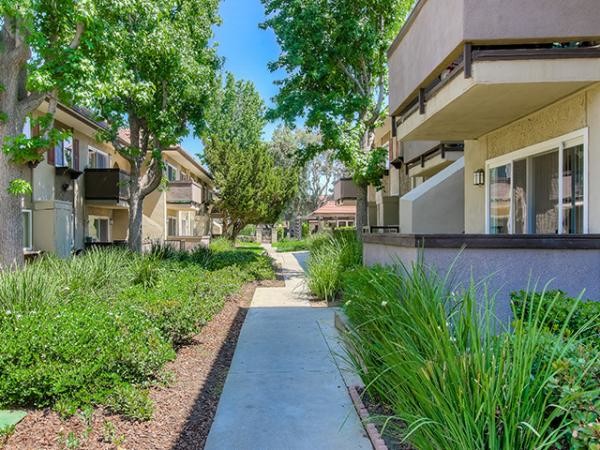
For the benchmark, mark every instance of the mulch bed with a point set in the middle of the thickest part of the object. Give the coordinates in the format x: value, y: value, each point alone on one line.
x: 183, y: 410
x: 378, y: 413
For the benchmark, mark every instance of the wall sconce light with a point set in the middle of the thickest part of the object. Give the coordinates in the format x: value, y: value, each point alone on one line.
x: 479, y: 177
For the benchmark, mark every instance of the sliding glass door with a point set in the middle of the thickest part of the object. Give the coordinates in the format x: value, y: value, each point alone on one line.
x: 540, y: 190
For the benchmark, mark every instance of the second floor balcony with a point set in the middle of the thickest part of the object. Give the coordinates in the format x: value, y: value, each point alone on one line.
x: 345, y: 189
x: 106, y: 186
x: 462, y: 68
x: 186, y: 193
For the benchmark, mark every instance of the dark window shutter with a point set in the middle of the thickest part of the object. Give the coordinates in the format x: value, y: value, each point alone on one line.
x: 51, y: 156
x: 76, y: 154
x: 35, y: 131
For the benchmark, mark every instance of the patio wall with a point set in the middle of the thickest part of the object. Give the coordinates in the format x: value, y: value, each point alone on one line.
x: 509, y: 264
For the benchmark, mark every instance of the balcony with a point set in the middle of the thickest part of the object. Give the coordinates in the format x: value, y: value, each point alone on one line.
x: 107, y: 186
x: 184, y: 193
x: 461, y: 68
x: 345, y: 189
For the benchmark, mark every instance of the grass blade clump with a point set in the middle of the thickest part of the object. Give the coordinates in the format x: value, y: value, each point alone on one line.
x: 443, y: 364
x: 330, y: 256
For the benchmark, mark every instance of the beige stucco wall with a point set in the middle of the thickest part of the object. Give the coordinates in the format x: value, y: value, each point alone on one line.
x: 155, y: 213
x: 573, y: 113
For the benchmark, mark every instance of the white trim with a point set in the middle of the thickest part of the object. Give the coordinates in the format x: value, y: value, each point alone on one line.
x: 578, y: 137
x: 586, y: 181
x: 175, y: 169
x: 30, y: 236
x: 93, y: 217
x: 561, y: 154
x: 92, y: 149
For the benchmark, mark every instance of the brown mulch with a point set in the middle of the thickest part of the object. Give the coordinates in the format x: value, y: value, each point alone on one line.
x: 183, y: 410
x: 378, y: 413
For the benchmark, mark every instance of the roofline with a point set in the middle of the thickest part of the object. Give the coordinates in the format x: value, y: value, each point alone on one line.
x: 179, y: 149
x: 407, y: 24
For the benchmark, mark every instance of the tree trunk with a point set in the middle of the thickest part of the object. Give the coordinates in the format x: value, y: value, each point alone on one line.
x: 11, y: 222
x: 362, y: 209
x: 136, y: 214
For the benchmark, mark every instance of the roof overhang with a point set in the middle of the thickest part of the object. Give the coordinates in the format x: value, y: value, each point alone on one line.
x: 498, y: 93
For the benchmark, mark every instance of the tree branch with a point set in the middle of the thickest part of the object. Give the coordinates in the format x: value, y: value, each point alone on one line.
x: 352, y: 77
x: 152, y: 178
x: 78, y: 35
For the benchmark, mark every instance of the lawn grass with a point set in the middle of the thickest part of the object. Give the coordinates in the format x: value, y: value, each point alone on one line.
x: 97, y: 329
x: 292, y: 245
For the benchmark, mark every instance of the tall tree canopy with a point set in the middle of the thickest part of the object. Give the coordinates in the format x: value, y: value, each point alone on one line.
x: 162, y: 75
x: 251, y: 187
x: 44, y: 53
x: 335, y: 55
x: 317, y: 175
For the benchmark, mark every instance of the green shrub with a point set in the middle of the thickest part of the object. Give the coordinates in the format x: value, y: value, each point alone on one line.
x: 98, y: 328
x: 457, y: 379
x: 329, y: 259
x: 221, y: 245
x: 586, y: 316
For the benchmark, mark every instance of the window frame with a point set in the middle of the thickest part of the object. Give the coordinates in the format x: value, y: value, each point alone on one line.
x: 175, y: 170
x: 92, y: 149
x: 93, y: 217
x: 578, y: 137
x: 29, y: 212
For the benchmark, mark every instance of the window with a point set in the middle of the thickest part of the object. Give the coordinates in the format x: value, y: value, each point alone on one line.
x: 63, y: 152
x: 27, y: 128
x: 171, y: 173
x: 98, y: 228
x: 540, y: 189
x: 172, y: 226
x: 27, y: 230
x: 187, y: 227
x: 98, y: 159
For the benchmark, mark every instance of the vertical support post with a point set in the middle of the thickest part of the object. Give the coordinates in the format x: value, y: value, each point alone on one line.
x: 468, y: 59
x: 421, y: 101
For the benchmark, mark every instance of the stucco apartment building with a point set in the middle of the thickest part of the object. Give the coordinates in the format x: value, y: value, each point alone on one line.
x: 495, y: 130
x: 80, y: 194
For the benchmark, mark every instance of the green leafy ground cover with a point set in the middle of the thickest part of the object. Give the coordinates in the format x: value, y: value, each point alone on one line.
x: 98, y: 329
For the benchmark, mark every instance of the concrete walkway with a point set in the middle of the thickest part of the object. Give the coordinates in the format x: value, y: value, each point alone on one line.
x: 284, y: 389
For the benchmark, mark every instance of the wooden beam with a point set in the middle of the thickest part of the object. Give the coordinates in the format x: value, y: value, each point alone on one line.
x: 468, y: 56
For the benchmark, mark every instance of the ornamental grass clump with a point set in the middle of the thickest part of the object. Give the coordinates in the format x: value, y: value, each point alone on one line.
x: 330, y: 257
x: 458, y: 380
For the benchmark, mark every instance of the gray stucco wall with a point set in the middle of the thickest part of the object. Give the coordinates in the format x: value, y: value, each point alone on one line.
x: 504, y: 270
x: 437, y: 205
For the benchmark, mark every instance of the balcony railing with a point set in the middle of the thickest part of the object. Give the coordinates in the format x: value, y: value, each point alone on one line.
x: 431, y: 46
x: 185, y: 192
x: 106, y: 185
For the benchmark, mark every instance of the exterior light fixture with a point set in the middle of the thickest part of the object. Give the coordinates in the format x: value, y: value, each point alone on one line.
x: 479, y: 177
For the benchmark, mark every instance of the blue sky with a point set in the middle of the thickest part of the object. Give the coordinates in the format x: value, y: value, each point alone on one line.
x: 247, y: 50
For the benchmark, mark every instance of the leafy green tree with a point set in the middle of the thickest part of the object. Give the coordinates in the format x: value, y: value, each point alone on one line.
x: 162, y: 75
x: 252, y: 188
x: 44, y: 54
x: 335, y: 56
x: 317, y: 175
